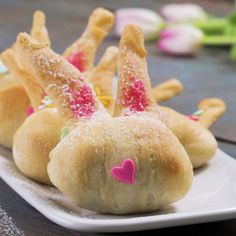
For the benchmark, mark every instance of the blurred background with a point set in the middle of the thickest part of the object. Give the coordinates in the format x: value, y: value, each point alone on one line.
x: 208, y: 72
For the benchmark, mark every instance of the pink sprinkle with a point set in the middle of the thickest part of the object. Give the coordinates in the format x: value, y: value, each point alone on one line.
x: 193, y: 117
x: 124, y: 173
x: 29, y: 111
x: 82, y: 102
x: 134, y: 96
x: 78, y: 60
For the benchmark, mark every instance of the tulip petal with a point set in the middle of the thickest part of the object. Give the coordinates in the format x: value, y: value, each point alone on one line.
x: 150, y: 22
x: 180, y: 40
x: 184, y: 12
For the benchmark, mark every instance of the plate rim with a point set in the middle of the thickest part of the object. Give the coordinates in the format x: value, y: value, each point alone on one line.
x: 127, y: 224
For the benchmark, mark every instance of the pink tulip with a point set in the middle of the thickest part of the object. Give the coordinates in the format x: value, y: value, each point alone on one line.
x: 150, y: 22
x: 180, y: 40
x: 183, y: 12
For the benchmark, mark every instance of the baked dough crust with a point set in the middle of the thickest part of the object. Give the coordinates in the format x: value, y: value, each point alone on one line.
x: 41, y: 132
x: 198, y: 142
x: 81, y: 164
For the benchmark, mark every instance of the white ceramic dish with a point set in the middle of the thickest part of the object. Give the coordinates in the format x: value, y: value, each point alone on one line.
x: 212, y: 197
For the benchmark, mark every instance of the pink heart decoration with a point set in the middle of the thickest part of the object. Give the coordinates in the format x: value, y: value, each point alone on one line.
x: 124, y: 173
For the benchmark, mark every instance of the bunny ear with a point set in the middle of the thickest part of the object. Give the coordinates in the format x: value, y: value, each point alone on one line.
x: 82, y: 52
x: 134, y: 92
x: 167, y: 90
x: 212, y: 109
x: 103, y: 76
x: 34, y: 91
x: 39, y: 30
x: 65, y: 84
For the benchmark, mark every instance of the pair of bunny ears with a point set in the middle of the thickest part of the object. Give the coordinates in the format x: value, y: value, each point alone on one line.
x: 70, y: 91
x: 64, y: 83
x: 81, y: 54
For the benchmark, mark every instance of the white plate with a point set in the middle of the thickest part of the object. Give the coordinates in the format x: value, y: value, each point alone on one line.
x: 212, y: 197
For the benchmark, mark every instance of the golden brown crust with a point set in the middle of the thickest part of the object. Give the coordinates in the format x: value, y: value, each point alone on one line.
x: 198, y: 142
x: 12, y: 113
x: 33, y: 141
x: 167, y: 90
x: 34, y: 91
x: 14, y: 100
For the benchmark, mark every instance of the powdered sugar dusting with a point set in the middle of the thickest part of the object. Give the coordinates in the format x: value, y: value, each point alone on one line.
x: 7, y: 226
x: 46, y: 103
x: 133, y: 96
x: 81, y: 101
x: 65, y: 84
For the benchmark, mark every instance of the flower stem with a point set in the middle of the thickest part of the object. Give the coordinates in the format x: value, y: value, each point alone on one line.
x: 219, y: 40
x: 212, y: 25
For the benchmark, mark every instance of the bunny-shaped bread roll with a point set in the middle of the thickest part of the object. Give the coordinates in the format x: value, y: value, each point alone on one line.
x: 41, y: 132
x: 114, y: 165
x: 198, y: 142
x: 13, y: 97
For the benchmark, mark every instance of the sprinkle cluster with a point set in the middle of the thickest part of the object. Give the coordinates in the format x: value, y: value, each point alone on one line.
x: 46, y: 103
x: 196, y: 115
x: 78, y: 60
x: 81, y: 101
x: 133, y: 96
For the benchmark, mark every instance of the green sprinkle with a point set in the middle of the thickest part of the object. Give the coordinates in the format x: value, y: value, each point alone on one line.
x: 198, y: 113
x: 3, y: 69
x: 46, y: 98
x: 64, y: 132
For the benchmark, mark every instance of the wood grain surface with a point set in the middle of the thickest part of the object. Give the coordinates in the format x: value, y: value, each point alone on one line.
x: 210, y: 74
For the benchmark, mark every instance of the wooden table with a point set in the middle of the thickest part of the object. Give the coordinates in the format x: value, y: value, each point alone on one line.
x: 210, y: 74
